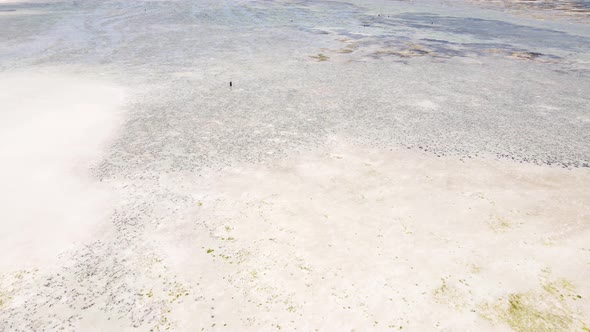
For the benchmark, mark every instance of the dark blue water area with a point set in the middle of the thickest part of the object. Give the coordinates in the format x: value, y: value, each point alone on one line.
x: 583, y: 4
x: 488, y: 31
x: 571, y: 5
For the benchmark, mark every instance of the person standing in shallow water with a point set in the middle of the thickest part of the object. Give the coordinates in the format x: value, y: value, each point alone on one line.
x: 230, y: 84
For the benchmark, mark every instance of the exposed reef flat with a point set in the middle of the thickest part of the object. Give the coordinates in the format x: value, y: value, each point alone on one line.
x: 578, y: 10
x: 374, y: 165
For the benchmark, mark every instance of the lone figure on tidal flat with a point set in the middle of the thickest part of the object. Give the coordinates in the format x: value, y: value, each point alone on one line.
x: 230, y: 85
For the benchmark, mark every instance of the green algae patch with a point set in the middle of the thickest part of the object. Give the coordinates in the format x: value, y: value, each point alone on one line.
x: 4, y: 299
x: 351, y: 47
x: 547, y: 310
x: 559, y: 287
x: 443, y: 289
x: 524, y: 315
x: 407, y: 230
x: 320, y: 57
x: 474, y: 268
x: 176, y: 293
x: 345, y: 50
x: 450, y: 296
x: 411, y: 51
x: 526, y: 55
x: 303, y: 267
x: 501, y: 224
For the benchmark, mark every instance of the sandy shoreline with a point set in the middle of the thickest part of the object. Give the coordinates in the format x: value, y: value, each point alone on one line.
x: 53, y: 128
x: 361, y: 238
x: 349, y: 236
x: 375, y: 165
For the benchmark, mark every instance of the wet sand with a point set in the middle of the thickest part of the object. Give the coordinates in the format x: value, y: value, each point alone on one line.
x: 375, y: 165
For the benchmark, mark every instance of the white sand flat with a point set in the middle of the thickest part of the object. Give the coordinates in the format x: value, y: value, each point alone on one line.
x: 375, y: 165
x: 52, y: 128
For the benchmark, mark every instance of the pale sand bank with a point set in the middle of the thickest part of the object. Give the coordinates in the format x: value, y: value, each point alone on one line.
x: 353, y: 237
x: 53, y: 127
x: 232, y: 209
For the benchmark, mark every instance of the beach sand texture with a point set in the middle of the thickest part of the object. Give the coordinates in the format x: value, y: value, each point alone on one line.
x: 375, y: 165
